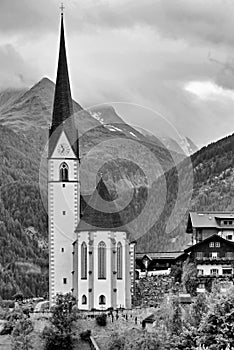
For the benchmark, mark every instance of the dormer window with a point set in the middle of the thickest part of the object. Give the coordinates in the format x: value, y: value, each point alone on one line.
x: 63, y: 172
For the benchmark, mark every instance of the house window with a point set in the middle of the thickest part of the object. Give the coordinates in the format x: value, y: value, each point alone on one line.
x: 101, y: 260
x: 64, y: 185
x: 211, y: 245
x: 201, y: 286
x: 199, y: 235
x: 62, y: 250
x: 64, y: 281
x: 217, y: 244
x: 225, y: 222
x: 64, y: 212
x: 102, y: 300
x: 227, y: 271
x: 199, y: 255
x: 213, y: 255
x: 84, y: 300
x: 229, y: 237
x: 119, y: 261
x: 230, y: 222
x: 229, y: 255
x: 63, y: 172
x: 214, y: 272
x: 200, y: 272
x: 83, y: 260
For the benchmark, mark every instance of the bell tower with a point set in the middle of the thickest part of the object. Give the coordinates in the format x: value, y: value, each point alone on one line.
x: 63, y: 180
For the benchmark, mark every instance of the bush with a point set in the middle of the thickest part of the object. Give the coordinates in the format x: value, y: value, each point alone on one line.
x: 7, y: 329
x: 101, y: 320
x: 117, y: 342
x: 18, y: 297
x: 7, y: 304
x: 85, y: 335
x: 54, y: 340
x: 21, y: 339
x: 12, y: 318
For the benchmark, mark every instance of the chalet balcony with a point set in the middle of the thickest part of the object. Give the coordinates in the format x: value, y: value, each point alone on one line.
x: 215, y: 259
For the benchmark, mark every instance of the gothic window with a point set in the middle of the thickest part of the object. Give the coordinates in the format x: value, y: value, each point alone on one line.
x: 102, y: 260
x: 84, y: 299
x: 102, y: 300
x: 63, y: 171
x: 83, y: 260
x: 119, y: 260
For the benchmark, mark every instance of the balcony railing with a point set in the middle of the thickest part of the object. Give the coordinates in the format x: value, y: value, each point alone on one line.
x: 206, y: 258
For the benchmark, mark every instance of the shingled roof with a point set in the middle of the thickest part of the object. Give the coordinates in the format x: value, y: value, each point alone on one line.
x: 101, y: 212
x: 63, y: 116
x: 208, y: 220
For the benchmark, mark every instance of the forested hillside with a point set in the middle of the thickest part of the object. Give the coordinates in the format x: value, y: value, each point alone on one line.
x: 23, y: 264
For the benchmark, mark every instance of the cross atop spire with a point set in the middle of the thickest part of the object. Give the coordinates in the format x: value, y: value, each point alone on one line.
x: 62, y: 8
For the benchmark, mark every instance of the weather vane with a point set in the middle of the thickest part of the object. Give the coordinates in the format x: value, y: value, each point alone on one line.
x: 62, y: 8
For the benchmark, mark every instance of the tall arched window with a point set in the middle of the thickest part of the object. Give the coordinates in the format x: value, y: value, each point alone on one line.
x: 83, y: 260
x: 63, y: 172
x: 119, y: 261
x: 102, y: 260
x: 84, y: 299
x: 102, y: 300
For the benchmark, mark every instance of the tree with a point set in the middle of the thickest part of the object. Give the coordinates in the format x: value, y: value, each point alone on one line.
x: 176, y: 324
x: 176, y: 271
x: 216, y: 330
x: 63, y: 314
x: 189, y: 277
x: 198, y: 309
x: 59, y: 334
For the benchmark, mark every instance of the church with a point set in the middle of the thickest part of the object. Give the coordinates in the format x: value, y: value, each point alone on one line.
x: 90, y: 253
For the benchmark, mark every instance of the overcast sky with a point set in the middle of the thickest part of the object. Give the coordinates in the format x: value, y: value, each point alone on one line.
x: 173, y: 56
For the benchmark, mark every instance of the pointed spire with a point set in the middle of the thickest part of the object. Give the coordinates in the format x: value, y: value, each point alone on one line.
x: 63, y: 104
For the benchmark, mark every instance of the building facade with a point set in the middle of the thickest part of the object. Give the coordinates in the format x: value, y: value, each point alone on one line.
x: 212, y: 249
x: 201, y: 225
x: 157, y: 263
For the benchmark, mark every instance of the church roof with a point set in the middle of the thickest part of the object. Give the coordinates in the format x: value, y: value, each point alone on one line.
x: 63, y: 116
x: 101, y: 212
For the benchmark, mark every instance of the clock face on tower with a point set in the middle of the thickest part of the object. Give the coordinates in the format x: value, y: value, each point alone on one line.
x: 63, y: 149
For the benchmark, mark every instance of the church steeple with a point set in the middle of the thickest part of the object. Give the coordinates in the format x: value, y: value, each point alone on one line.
x: 62, y: 116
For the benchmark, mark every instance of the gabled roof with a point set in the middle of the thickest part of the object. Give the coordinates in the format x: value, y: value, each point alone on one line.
x: 160, y: 255
x: 100, y: 212
x: 209, y: 239
x: 208, y: 220
x: 185, y: 298
x: 150, y: 319
x: 63, y: 117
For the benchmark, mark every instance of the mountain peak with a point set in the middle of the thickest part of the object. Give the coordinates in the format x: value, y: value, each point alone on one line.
x: 44, y: 83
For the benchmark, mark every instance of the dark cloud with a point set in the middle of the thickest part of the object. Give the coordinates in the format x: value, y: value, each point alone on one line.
x: 127, y: 50
x: 209, y: 21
